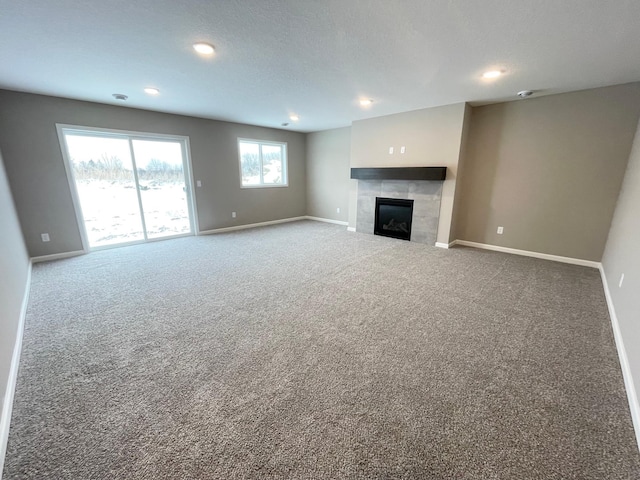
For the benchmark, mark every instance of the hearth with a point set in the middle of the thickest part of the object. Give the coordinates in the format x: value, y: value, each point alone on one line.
x: 393, y: 217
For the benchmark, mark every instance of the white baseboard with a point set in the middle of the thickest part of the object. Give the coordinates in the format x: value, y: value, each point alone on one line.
x: 327, y: 220
x: 7, y: 404
x: 251, y: 225
x: 526, y: 253
x: 632, y: 396
x: 57, y: 256
x: 445, y: 245
x: 351, y: 229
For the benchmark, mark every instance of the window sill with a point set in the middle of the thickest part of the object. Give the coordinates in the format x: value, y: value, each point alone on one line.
x: 264, y: 186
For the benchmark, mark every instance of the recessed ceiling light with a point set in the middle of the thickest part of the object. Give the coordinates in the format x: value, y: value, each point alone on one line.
x: 365, y: 102
x: 525, y: 93
x: 492, y: 74
x: 204, y: 48
x: 293, y: 117
x: 151, y: 91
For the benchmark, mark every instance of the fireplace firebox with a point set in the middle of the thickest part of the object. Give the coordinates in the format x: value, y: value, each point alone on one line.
x: 393, y: 217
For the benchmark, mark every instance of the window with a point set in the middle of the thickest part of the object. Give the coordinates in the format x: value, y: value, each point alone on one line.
x: 262, y: 164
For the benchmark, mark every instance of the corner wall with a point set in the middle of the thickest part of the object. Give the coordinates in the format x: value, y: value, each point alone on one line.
x: 464, y: 152
x: 622, y: 256
x: 548, y: 170
x: 14, y: 272
x: 33, y: 160
x: 328, y: 154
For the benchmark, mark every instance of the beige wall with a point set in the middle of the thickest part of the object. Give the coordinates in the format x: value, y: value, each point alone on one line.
x: 622, y: 256
x: 464, y: 152
x: 14, y: 268
x: 432, y: 137
x: 548, y: 170
x: 36, y: 171
x: 328, y: 154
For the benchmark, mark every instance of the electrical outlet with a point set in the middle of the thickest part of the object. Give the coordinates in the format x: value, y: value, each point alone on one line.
x: 233, y: 214
x: 198, y: 183
x: 403, y: 149
x: 500, y: 230
x: 45, y: 237
x: 621, y: 280
x: 338, y: 210
x: 390, y: 150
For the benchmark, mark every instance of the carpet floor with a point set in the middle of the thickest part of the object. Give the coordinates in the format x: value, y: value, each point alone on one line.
x: 303, y: 351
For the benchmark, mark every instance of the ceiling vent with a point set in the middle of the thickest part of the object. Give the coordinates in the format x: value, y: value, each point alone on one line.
x: 120, y: 96
x: 525, y: 93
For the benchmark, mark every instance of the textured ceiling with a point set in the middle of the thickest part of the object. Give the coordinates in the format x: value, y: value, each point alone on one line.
x: 314, y: 57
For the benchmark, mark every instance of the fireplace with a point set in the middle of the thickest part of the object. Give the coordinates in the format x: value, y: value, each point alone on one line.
x: 393, y: 217
x: 426, y: 195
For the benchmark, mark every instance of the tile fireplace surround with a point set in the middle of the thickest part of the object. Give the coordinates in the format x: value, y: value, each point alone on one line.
x: 426, y: 195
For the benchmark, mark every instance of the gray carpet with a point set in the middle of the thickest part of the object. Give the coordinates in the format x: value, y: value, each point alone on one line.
x: 304, y: 351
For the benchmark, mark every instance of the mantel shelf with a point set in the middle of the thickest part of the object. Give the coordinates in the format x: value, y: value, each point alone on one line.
x: 400, y: 173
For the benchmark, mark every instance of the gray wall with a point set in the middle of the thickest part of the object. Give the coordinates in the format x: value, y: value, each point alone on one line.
x: 14, y: 268
x: 328, y: 172
x: 432, y: 137
x: 36, y: 171
x: 548, y: 170
x: 622, y: 256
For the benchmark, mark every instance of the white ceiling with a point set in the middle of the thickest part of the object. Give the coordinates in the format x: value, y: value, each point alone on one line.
x: 314, y: 57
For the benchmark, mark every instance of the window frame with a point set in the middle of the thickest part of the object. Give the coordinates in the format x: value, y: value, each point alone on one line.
x: 285, y: 162
x: 63, y: 128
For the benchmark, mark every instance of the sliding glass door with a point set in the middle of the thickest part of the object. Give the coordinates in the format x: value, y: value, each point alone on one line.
x: 162, y: 186
x: 129, y: 188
